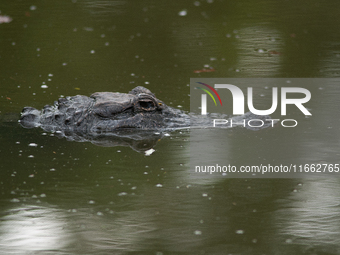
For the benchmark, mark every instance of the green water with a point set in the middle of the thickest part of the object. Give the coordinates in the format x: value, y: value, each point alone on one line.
x: 63, y: 197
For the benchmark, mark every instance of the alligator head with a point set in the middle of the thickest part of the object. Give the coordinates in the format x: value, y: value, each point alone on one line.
x: 105, y: 112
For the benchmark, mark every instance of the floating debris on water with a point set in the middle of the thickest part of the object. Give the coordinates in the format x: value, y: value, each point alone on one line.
x: 5, y: 19
x: 198, y: 232
x: 149, y: 152
x: 183, y: 13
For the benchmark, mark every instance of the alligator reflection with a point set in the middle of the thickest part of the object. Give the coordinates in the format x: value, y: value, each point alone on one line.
x: 138, y: 140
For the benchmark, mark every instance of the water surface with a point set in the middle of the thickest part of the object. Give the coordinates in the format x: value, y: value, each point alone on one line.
x: 62, y: 197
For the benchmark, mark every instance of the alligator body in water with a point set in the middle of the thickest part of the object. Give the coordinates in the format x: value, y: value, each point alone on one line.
x: 131, y: 116
x: 104, y: 112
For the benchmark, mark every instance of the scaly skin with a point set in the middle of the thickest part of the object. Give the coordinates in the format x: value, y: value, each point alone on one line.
x: 105, y: 112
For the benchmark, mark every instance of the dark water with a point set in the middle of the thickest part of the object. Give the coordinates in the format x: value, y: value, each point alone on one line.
x: 62, y: 197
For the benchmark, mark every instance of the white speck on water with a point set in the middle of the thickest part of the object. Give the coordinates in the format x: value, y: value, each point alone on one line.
x: 166, y: 134
x: 5, y: 19
x: 30, y: 156
x: 93, y: 51
x: 100, y: 214
x: 64, y: 64
x: 17, y: 142
x: 228, y: 35
x: 15, y: 200
x: 254, y: 241
x: 107, y: 44
x: 239, y: 232
x: 198, y: 232
x: 33, y: 145
x: 204, y: 195
x: 159, y: 185
x: 134, y: 187
x: 31, y: 176
x: 132, y: 74
x: 52, y: 169
x: 149, y: 152
x: 42, y: 195
x: 179, y: 106
x: 88, y: 29
x: 260, y: 51
x: 34, y: 196
x: 91, y: 202
x: 44, y: 86
x: 122, y: 194
x: 38, y: 49
x: 183, y: 13
x: 102, y: 35
x: 289, y: 241
x: 50, y: 75
x: 33, y: 7
x: 197, y: 3
x: 145, y: 173
x: 146, y: 82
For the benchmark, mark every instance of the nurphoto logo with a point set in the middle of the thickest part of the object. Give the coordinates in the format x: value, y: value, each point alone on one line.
x: 238, y: 98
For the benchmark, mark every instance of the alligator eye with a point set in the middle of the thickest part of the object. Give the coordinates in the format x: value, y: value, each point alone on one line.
x: 147, y: 105
x: 160, y: 104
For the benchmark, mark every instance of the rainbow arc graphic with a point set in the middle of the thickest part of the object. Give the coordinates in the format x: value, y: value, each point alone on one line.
x: 209, y: 93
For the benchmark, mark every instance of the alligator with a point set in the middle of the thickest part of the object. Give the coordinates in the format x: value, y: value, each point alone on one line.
x: 85, y: 118
x: 104, y: 112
